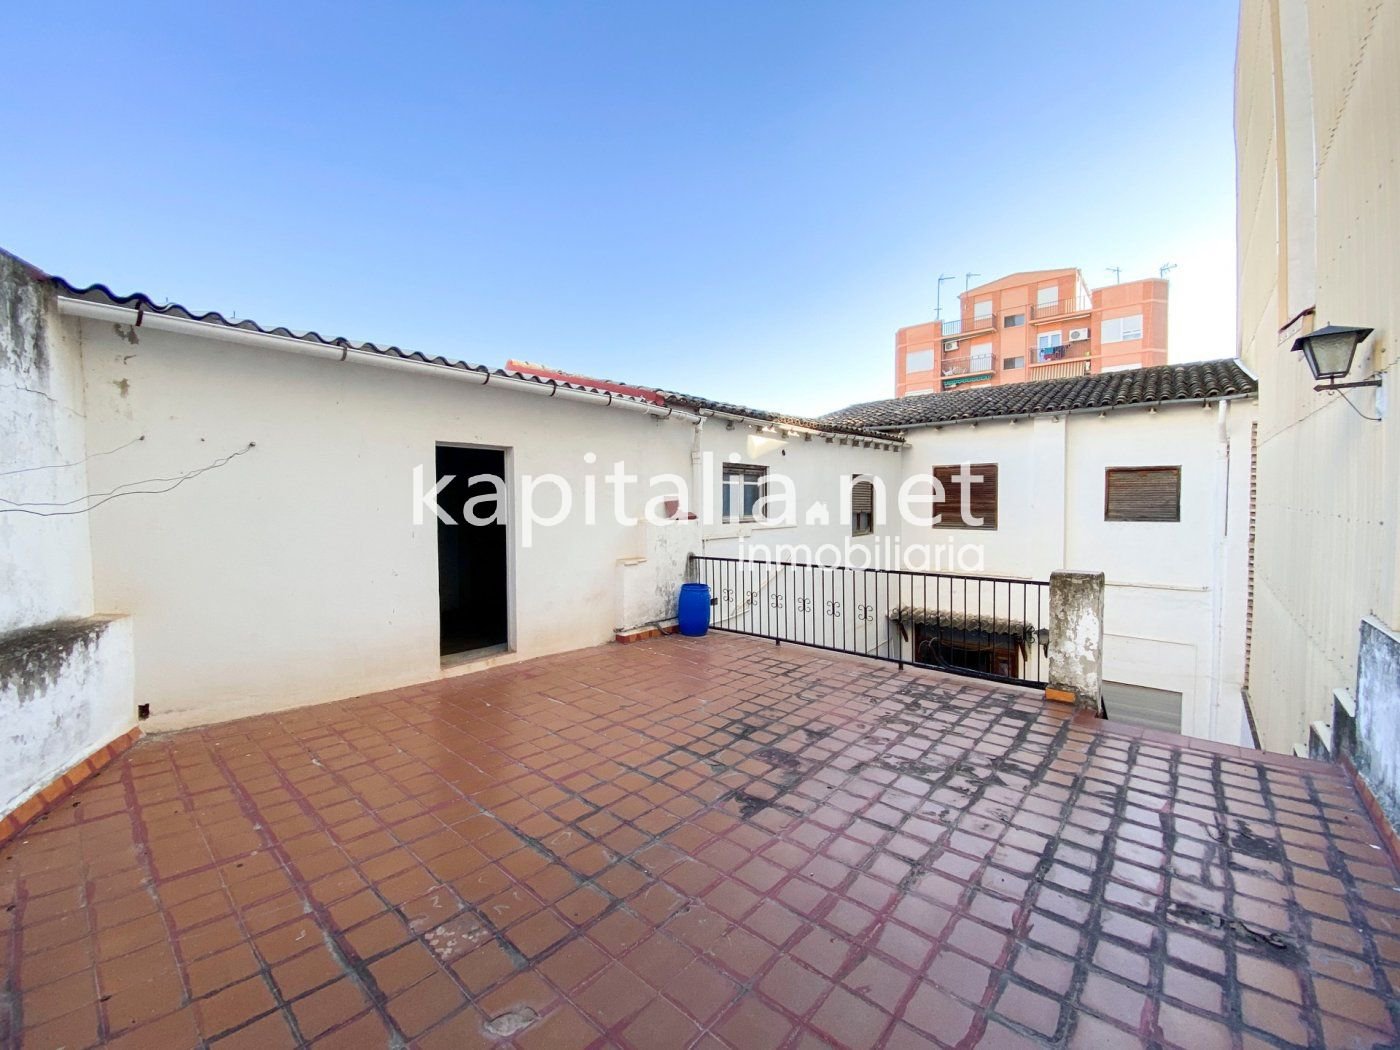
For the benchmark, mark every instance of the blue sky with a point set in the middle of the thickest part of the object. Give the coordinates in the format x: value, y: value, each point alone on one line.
x: 738, y: 200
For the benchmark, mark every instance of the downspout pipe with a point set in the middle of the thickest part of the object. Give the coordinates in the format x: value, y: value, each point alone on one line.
x: 1220, y: 539
x: 697, y: 470
x: 92, y: 311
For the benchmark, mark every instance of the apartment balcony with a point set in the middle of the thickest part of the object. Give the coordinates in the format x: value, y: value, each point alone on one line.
x: 960, y: 326
x: 1059, y: 368
x: 1063, y: 308
x: 958, y: 370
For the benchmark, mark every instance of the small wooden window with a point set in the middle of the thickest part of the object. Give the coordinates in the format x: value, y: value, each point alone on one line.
x: 1142, y: 494
x: 982, y: 496
x: 862, y: 508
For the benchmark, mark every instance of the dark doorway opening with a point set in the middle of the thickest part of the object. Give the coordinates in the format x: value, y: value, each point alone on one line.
x: 472, y: 592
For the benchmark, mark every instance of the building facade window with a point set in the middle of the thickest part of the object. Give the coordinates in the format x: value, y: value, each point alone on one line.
x: 1121, y: 329
x: 1142, y: 494
x: 982, y: 496
x: 918, y: 361
x: 1047, y: 295
x: 1008, y: 363
x: 982, y: 310
x: 742, y: 487
x: 1049, y: 346
x: 1013, y: 320
x: 979, y: 358
x: 862, y: 508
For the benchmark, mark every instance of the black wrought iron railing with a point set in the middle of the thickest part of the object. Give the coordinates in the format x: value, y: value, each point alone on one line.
x: 959, y: 365
x: 1078, y: 305
x: 987, y: 627
x: 963, y: 326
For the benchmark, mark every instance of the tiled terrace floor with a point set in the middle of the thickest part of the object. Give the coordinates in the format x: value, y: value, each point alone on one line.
x: 710, y: 842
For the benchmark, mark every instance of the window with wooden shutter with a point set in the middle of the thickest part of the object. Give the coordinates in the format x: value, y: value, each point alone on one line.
x: 1142, y: 494
x: 862, y: 508
x: 982, y: 496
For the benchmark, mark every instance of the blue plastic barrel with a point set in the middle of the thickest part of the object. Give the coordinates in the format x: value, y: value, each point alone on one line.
x: 694, y: 609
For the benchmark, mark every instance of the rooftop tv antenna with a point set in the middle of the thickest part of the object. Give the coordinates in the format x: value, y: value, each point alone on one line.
x: 1165, y: 269
x: 938, y: 300
x: 967, y: 280
x: 1117, y: 272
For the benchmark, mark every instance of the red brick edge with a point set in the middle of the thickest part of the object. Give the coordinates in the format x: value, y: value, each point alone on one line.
x: 1374, y: 811
x: 25, y: 813
x: 639, y: 634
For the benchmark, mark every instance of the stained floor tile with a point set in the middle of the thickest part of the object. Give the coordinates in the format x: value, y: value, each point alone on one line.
x: 698, y: 843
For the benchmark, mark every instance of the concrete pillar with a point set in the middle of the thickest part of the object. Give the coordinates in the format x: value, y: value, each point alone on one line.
x: 1076, y: 639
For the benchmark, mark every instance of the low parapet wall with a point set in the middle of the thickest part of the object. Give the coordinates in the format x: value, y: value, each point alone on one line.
x: 66, y: 692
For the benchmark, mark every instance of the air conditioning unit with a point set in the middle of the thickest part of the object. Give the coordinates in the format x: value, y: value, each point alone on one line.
x: 1078, y: 334
x: 951, y: 344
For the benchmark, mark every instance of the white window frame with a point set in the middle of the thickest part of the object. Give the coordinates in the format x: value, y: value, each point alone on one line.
x: 981, y: 352
x: 1047, y: 295
x: 746, y: 476
x: 1049, y: 340
x: 982, y: 310
x: 1116, y: 330
x: 918, y: 355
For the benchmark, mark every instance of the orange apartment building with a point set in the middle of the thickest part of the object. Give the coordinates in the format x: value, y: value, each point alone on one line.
x: 1035, y: 325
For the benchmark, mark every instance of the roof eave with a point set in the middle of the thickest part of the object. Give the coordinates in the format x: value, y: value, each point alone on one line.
x: 892, y: 436
x: 138, y: 311
x: 1087, y: 410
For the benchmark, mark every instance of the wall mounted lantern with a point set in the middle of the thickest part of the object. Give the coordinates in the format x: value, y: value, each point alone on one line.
x: 1329, y: 352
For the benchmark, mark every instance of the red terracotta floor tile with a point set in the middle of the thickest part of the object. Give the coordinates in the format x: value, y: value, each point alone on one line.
x: 329, y: 1007
x: 698, y: 840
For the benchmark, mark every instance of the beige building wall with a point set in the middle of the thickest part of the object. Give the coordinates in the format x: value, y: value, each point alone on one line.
x: 1318, y: 146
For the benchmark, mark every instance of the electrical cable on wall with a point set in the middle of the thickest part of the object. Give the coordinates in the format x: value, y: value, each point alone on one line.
x: 1378, y: 373
x: 125, y: 489
x: 1363, y: 415
x: 98, y: 495
x: 75, y: 463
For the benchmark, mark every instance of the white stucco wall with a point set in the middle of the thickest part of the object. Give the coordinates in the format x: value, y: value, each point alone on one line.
x: 65, y: 678
x: 45, y: 562
x: 649, y: 580
x: 62, y: 699
x: 296, y: 573
x: 837, y: 609
x: 817, y: 466
x: 1174, y: 600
